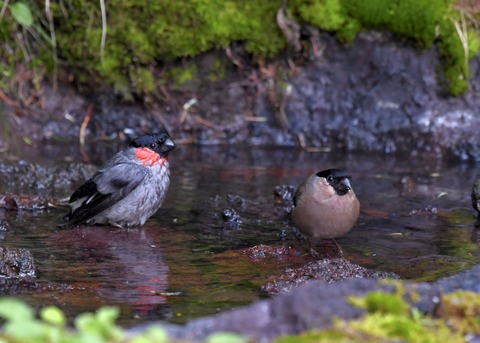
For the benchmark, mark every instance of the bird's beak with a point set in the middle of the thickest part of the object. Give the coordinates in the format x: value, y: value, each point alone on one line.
x: 346, y: 184
x: 168, y: 145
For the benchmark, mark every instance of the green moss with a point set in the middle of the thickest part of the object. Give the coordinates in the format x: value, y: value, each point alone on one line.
x: 142, y: 80
x: 456, y: 56
x: 329, y: 15
x: 349, y: 31
x: 462, y: 310
x: 217, y: 71
x: 473, y: 43
x: 141, y: 34
x: 381, y: 302
x: 410, y: 18
x: 180, y: 76
x: 389, y: 318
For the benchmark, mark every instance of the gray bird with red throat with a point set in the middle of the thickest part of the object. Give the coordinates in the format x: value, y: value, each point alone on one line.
x: 325, y: 206
x: 129, y: 188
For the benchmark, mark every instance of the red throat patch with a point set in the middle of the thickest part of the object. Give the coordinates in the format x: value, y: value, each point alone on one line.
x: 148, y: 157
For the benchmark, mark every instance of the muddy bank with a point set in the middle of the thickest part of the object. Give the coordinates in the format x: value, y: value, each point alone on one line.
x: 379, y: 94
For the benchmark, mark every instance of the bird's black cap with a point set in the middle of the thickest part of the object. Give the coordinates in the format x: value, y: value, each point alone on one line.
x: 158, y: 142
x: 337, y: 178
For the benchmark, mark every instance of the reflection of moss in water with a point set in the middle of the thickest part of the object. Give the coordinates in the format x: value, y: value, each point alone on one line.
x: 457, y: 238
x: 456, y: 251
x: 432, y: 268
x: 457, y: 216
x: 209, y: 282
x: 389, y: 318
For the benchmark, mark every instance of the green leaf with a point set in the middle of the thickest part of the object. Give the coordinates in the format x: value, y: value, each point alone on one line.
x: 22, y: 14
x: 226, y: 337
x: 152, y: 334
x: 86, y: 323
x: 28, y: 331
x: 14, y: 310
x: 53, y: 315
x: 100, y: 324
x: 107, y: 315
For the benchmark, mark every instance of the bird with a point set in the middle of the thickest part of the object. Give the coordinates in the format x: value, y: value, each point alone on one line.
x: 476, y: 195
x: 128, y: 189
x: 325, y: 206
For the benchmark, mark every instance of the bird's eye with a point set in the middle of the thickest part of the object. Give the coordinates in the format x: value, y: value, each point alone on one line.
x: 329, y: 178
x: 153, y: 146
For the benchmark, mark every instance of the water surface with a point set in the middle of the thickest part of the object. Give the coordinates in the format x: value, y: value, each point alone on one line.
x: 416, y: 221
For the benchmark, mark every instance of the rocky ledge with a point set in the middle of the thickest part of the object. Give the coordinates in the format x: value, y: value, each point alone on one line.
x: 378, y: 94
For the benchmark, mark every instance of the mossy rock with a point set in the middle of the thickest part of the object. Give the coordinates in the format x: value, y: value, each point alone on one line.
x: 389, y: 318
x: 141, y: 36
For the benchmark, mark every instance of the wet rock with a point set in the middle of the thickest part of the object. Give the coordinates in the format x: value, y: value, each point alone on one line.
x: 232, y: 212
x: 293, y: 313
x: 283, y: 199
x: 8, y: 203
x: 365, y: 105
x: 24, y: 202
x: 284, y: 194
x: 231, y: 219
x: 428, y: 210
x: 312, y: 306
x: 468, y: 280
x: 16, y: 263
x: 49, y: 179
x: 327, y: 270
x: 237, y: 200
x: 14, y: 286
x: 279, y: 253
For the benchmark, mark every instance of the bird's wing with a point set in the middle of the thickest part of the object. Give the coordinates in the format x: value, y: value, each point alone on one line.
x: 299, y: 193
x: 104, y: 189
x: 86, y: 190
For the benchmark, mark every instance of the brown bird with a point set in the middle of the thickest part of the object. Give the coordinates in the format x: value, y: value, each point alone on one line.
x: 325, y: 206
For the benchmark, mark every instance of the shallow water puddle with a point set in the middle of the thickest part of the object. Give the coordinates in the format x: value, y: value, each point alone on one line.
x: 417, y: 222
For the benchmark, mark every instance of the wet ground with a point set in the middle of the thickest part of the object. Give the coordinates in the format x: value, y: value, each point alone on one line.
x: 187, y: 262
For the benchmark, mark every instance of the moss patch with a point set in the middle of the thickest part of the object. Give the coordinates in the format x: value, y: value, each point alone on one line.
x: 390, y: 318
x: 141, y: 36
